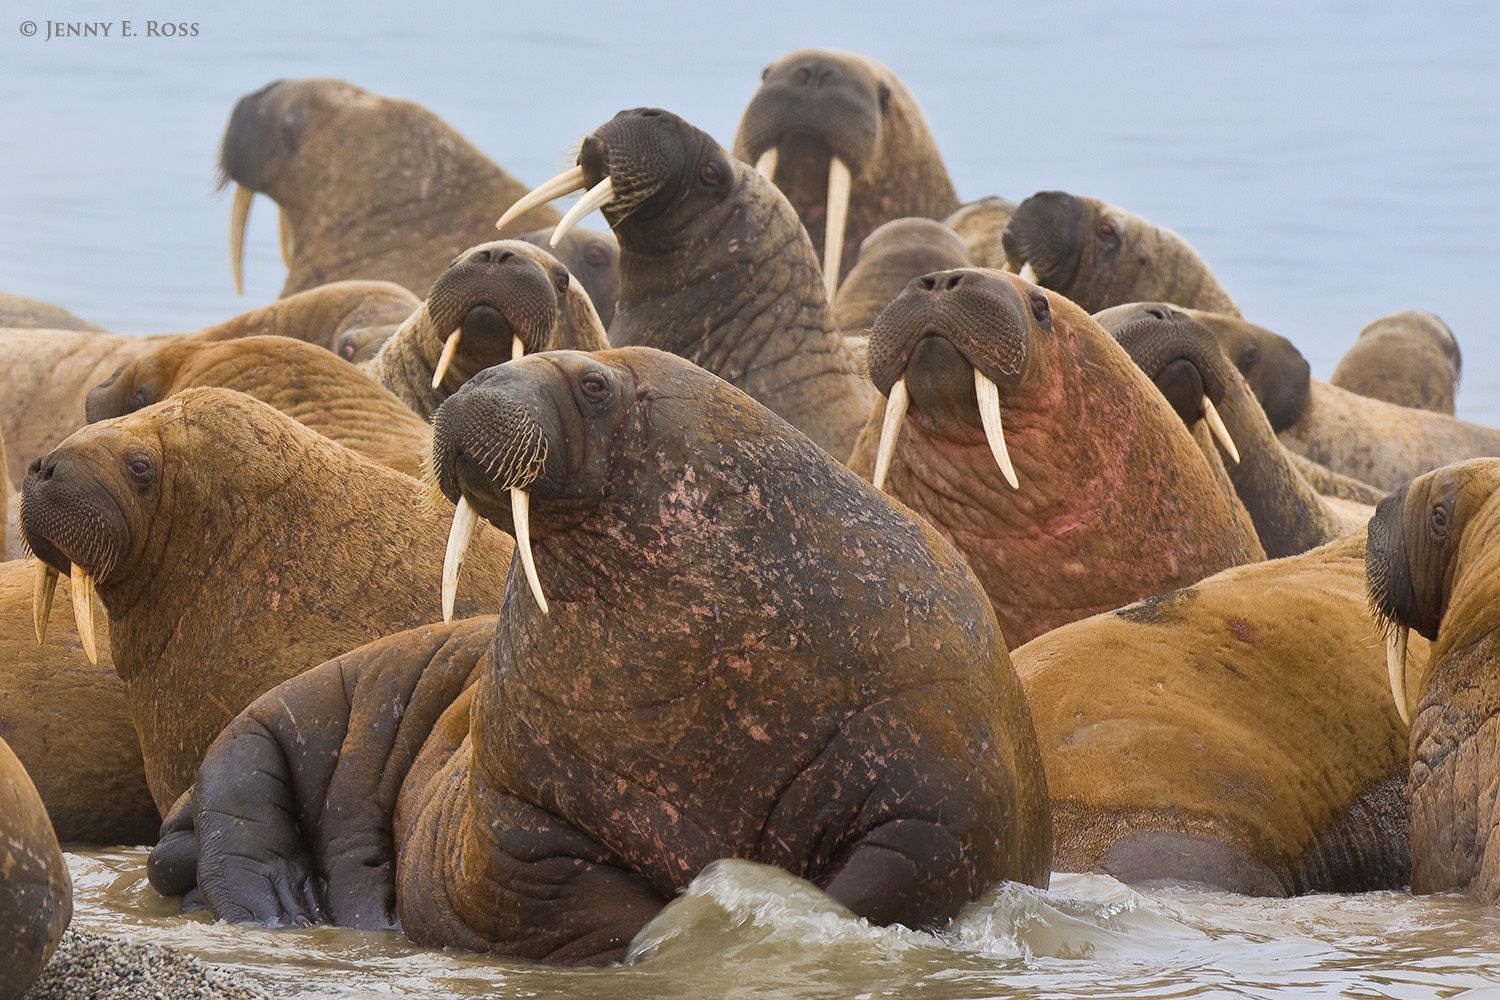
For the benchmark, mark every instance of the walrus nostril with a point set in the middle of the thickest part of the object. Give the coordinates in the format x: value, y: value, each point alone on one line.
x: 954, y: 280
x: 927, y: 282
x: 1156, y: 311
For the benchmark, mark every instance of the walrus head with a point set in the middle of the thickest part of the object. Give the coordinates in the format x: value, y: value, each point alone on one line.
x: 889, y: 258
x: 593, y: 259
x: 1277, y: 372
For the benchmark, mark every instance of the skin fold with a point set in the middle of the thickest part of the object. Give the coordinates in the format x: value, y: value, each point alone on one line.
x: 1409, y: 358
x: 36, y: 894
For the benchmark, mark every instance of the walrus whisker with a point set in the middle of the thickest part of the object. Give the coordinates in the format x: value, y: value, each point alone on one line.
x: 520, y: 509
x: 598, y: 196
x: 1219, y: 431
x: 1395, y: 667
x: 464, y: 518
x: 833, y: 230
x: 82, y: 595
x: 989, y: 415
x: 890, y: 430
x: 567, y: 182
x: 41, y: 598
x: 450, y: 347
x: 766, y: 165
x: 239, y: 215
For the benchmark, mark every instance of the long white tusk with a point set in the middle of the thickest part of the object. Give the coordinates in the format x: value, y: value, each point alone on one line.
x: 1220, y: 432
x: 239, y: 214
x: 284, y: 230
x: 567, y: 182
x: 989, y: 414
x: 450, y: 346
x: 520, y: 509
x: 41, y: 598
x: 598, y: 196
x: 517, y: 349
x: 1027, y: 273
x: 766, y: 165
x: 1395, y: 668
x: 890, y: 430
x: 833, y: 224
x: 82, y: 596
x: 464, y: 518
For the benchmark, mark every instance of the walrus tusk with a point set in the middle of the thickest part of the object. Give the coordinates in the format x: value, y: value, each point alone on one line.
x: 517, y: 349
x: 464, y: 518
x: 766, y: 165
x: 41, y: 599
x: 520, y: 509
x: 450, y: 346
x: 239, y: 215
x: 1395, y: 668
x: 82, y: 596
x: 567, y: 182
x: 1220, y: 432
x: 1027, y: 273
x: 833, y: 225
x: 598, y: 196
x: 890, y: 430
x: 284, y: 230
x: 989, y: 414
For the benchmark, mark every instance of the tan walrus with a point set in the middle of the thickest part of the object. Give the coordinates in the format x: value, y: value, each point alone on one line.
x: 1409, y: 358
x: 17, y: 312
x: 889, y: 258
x: 36, y: 892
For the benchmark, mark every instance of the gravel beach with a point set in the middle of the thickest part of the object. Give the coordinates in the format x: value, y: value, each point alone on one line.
x: 98, y: 967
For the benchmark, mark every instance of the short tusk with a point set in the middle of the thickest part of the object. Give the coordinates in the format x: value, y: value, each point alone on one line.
x: 450, y: 347
x: 1027, y: 273
x: 464, y: 518
x: 833, y: 224
x: 567, y: 182
x: 82, y: 596
x: 1220, y: 432
x: 239, y: 215
x: 890, y: 431
x: 766, y: 165
x: 284, y: 228
x: 598, y: 196
x: 520, y: 509
x: 41, y: 599
x: 517, y: 349
x: 989, y: 414
x: 1395, y: 668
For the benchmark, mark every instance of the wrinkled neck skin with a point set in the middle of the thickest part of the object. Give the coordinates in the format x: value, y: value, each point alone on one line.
x: 405, y: 364
x: 739, y: 293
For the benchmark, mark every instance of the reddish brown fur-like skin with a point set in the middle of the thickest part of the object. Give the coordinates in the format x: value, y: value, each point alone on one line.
x: 36, y: 894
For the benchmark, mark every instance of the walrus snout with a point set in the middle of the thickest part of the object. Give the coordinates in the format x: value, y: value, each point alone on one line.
x: 813, y: 106
x: 68, y: 515
x: 1276, y: 371
x: 1047, y: 232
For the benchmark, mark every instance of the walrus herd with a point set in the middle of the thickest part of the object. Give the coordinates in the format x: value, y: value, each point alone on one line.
x: 808, y: 516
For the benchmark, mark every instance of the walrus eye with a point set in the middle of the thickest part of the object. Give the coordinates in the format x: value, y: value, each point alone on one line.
x: 1107, y: 232
x: 348, y: 350
x: 595, y: 254
x: 710, y: 173
x: 1041, y: 309
x: 1248, y: 358
x: 595, y: 387
x: 142, y: 468
x: 1438, y: 521
x: 560, y: 280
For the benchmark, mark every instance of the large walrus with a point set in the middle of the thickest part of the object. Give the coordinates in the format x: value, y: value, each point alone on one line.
x: 1088, y: 495
x: 368, y: 186
x: 1409, y: 358
x: 36, y: 893
x: 845, y: 141
x: 17, y: 312
x: 715, y: 267
x: 889, y: 258
x: 729, y: 646
x: 1239, y: 732
x: 1371, y: 440
x: 1101, y: 256
x: 232, y: 548
x: 1434, y: 567
x: 53, y: 370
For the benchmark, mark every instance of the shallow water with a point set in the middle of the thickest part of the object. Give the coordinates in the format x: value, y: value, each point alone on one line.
x: 744, y: 930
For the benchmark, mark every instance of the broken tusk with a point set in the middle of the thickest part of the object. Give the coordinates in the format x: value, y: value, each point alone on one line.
x: 890, y: 431
x: 284, y: 230
x: 766, y: 165
x: 989, y: 415
x: 41, y: 598
x: 1027, y: 273
x: 564, y: 183
x: 598, y: 196
x: 464, y: 518
x: 239, y: 215
x: 833, y: 224
x: 517, y: 349
x: 82, y: 596
x: 1395, y: 668
x: 450, y: 346
x: 520, y: 509
x: 1220, y: 432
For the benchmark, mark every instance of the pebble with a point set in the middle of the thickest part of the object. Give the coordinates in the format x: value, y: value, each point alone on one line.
x: 90, y: 966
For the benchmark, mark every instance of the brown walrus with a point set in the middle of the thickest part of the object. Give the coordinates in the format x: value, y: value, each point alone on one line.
x: 368, y: 186
x: 1371, y: 440
x: 1433, y: 566
x: 844, y: 140
x: 1091, y: 493
x: 232, y: 548
x: 17, y: 312
x: 53, y: 370
x: 1101, y: 256
x: 715, y: 268
x: 889, y: 258
x: 1409, y: 358
x: 742, y: 621
x: 36, y: 893
x: 981, y: 225
x: 1214, y: 735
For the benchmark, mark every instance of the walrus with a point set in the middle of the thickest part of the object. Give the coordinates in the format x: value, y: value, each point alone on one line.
x: 981, y: 225
x: 1099, y: 256
x: 495, y: 301
x: 593, y: 259
x: 1409, y: 358
x: 1211, y: 735
x: 1090, y: 494
x: 1371, y: 440
x: 231, y: 548
x: 306, y: 383
x: 368, y: 186
x: 17, y: 312
x: 36, y: 892
x: 889, y: 258
x: 845, y: 141
x: 766, y: 659
x: 53, y: 370
x: 1433, y: 565
x: 715, y: 268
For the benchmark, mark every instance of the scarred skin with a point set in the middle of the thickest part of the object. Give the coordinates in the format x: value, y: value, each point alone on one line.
x: 493, y: 292
x: 889, y: 259
x: 817, y: 103
x: 1433, y: 565
x: 1211, y: 735
x: 828, y: 693
x: 1115, y: 501
x: 53, y: 370
x: 1409, y: 358
x: 981, y: 225
x: 1099, y: 255
x: 17, y: 312
x: 36, y: 894
x: 233, y: 548
x: 370, y: 186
